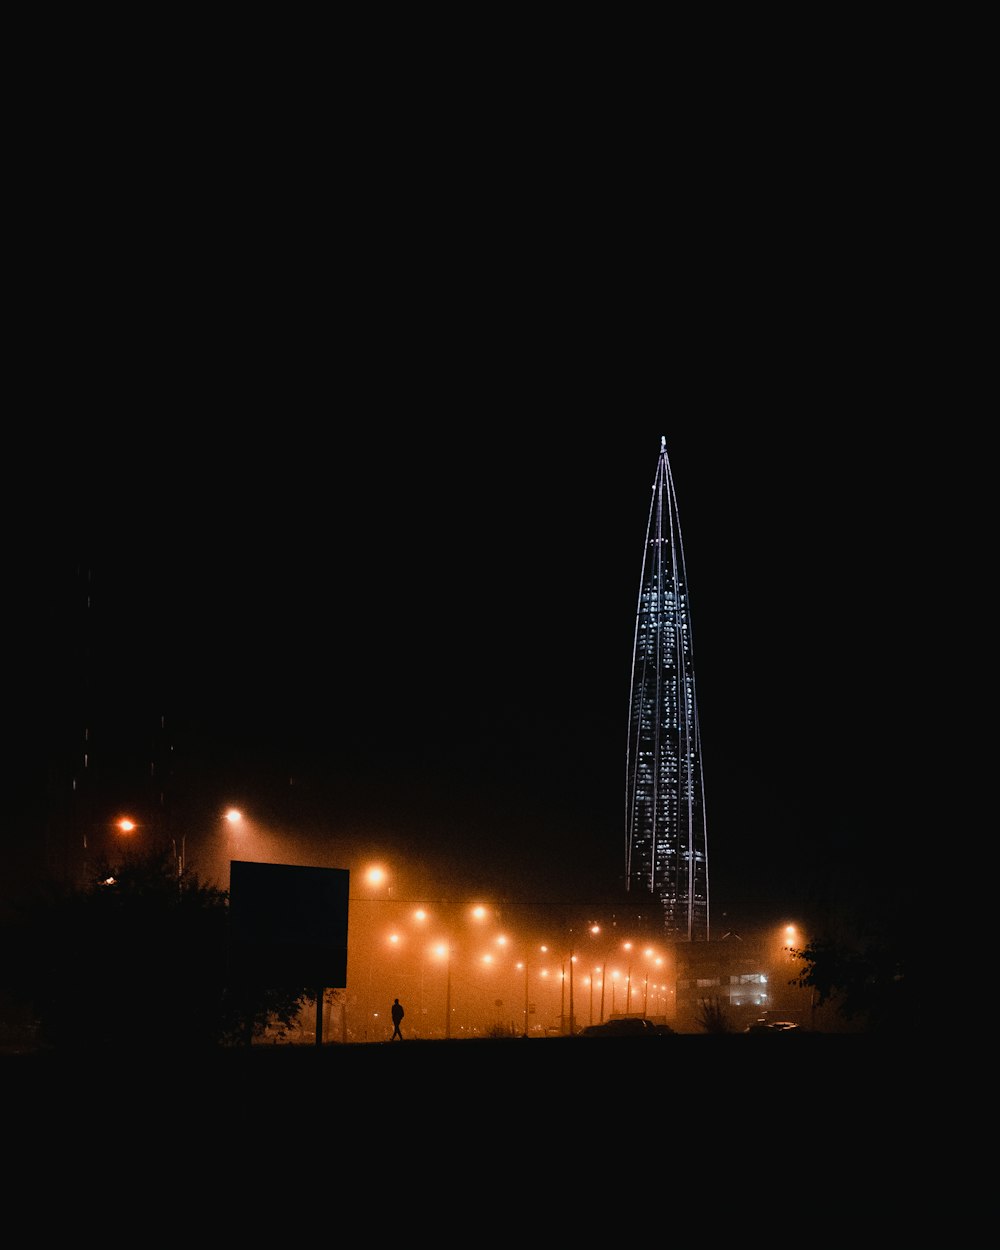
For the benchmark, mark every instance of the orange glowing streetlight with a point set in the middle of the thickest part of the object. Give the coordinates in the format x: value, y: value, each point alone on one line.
x: 419, y: 917
x: 443, y: 951
x: 377, y: 876
x: 628, y: 983
x: 522, y: 966
x: 594, y: 931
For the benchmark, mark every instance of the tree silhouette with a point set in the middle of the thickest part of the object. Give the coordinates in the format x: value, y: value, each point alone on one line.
x: 864, y: 980
x: 136, y: 959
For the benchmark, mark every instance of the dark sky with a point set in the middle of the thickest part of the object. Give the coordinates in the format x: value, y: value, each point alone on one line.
x: 361, y: 465
x: 414, y: 632
x: 355, y: 425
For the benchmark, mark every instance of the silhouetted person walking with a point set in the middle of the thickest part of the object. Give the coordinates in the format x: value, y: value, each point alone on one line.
x: 397, y: 1015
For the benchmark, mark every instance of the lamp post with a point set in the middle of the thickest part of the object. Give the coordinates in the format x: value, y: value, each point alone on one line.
x: 562, y: 1001
x: 792, y: 942
x: 443, y: 951
x: 179, y: 856
x: 234, y: 819
x: 377, y: 876
x: 420, y: 917
x: 656, y: 962
x: 594, y: 930
x: 447, y: 994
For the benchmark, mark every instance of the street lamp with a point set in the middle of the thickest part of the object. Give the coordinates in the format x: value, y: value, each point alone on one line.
x: 447, y: 995
x: 377, y: 876
x: 649, y: 953
x: 594, y: 931
x: 562, y: 1000
x: 524, y: 965
x: 179, y: 856
x: 543, y: 975
x: 420, y: 918
x: 443, y: 951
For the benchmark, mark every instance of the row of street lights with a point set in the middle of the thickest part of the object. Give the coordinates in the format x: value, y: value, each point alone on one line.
x: 126, y: 826
x: 444, y: 949
x: 536, y: 963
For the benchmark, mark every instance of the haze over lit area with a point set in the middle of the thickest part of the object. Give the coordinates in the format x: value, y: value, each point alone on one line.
x: 417, y: 647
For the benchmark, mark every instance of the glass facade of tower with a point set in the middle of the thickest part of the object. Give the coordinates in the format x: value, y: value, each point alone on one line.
x: 666, y: 838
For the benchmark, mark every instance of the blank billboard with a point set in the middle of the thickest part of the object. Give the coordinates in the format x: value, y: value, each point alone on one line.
x: 288, y: 925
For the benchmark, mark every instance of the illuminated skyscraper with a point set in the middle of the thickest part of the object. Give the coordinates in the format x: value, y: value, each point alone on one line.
x: 666, y: 839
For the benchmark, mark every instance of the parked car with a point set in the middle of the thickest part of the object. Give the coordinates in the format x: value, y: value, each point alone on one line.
x: 771, y: 1026
x: 627, y: 1026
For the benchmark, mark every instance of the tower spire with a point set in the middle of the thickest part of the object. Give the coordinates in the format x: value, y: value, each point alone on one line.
x: 666, y: 841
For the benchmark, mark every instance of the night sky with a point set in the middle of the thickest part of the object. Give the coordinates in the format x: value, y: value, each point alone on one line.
x: 355, y: 433
x: 413, y: 635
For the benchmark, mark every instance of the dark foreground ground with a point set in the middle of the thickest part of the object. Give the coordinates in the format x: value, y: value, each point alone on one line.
x: 418, y: 1082
x: 467, y: 1141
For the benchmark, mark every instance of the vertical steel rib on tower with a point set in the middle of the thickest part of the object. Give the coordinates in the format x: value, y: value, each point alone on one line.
x: 666, y: 838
